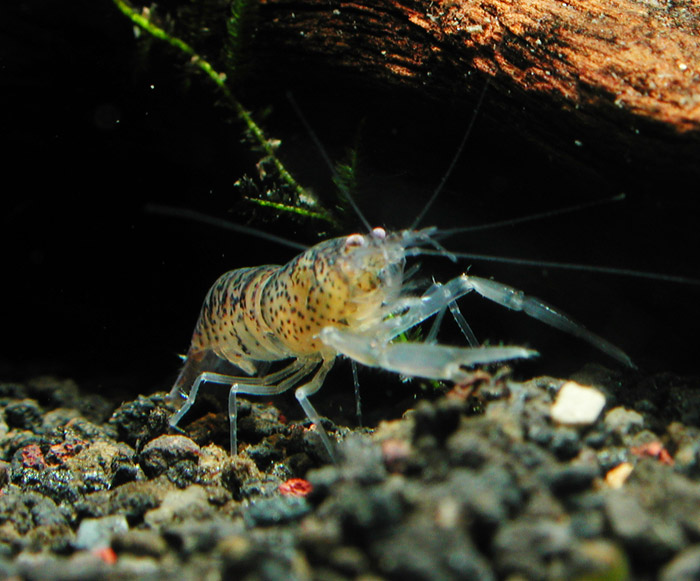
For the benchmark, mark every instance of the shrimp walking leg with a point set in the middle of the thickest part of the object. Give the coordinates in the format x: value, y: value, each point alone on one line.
x: 271, y: 384
x: 459, y: 319
x: 302, y: 394
x: 463, y: 325
x: 299, y: 369
x: 228, y: 380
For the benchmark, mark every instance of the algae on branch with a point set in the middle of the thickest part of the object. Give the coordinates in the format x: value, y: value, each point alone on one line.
x: 239, y: 15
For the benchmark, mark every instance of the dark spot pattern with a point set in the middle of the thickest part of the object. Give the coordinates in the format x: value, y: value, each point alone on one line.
x: 267, y: 313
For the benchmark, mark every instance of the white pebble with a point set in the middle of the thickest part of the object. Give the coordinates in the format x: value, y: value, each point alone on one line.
x: 96, y: 533
x: 577, y: 404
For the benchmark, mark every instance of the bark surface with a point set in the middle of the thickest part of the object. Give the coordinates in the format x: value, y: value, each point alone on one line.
x: 627, y: 71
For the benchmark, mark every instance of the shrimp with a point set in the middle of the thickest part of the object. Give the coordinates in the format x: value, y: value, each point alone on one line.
x: 346, y: 297
x: 342, y: 297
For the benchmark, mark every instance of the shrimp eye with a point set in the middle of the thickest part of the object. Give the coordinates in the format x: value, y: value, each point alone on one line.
x: 379, y: 233
x: 354, y: 240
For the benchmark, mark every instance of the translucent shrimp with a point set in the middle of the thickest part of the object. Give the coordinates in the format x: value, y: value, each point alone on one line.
x: 344, y: 296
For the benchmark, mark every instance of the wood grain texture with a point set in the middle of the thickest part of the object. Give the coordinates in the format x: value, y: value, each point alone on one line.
x: 626, y: 71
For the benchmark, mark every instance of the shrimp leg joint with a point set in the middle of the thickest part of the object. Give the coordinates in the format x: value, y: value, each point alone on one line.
x: 344, y: 296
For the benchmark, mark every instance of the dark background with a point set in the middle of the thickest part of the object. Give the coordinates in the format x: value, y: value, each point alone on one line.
x: 96, y: 126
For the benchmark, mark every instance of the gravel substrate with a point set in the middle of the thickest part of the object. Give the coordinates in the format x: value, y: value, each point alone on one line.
x: 489, y: 481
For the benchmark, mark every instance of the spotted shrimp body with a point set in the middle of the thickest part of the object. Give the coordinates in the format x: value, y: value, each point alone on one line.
x: 345, y: 296
x: 271, y: 312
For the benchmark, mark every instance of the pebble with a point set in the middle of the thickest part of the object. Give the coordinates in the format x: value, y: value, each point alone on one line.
x: 531, y: 549
x: 192, y: 502
x: 24, y: 415
x: 139, y: 421
x: 194, y: 536
x: 685, y: 566
x: 176, y: 456
x: 513, y: 493
x: 576, y: 404
x: 571, y: 478
x: 623, y: 422
x: 275, y: 510
x: 96, y: 533
x: 132, y: 499
x: 421, y: 550
x: 649, y: 538
x: 145, y: 543
x: 616, y: 477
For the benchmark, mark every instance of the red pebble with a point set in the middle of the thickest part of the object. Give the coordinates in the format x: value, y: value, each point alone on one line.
x: 396, y: 454
x: 65, y: 449
x: 654, y: 450
x: 33, y: 457
x: 107, y: 555
x: 296, y: 487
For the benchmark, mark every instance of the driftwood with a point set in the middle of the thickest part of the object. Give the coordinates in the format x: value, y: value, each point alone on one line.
x: 625, y: 71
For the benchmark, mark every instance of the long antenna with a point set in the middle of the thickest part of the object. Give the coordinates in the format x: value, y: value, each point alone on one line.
x: 219, y: 223
x: 455, y: 158
x: 226, y: 225
x: 328, y: 161
x: 528, y: 218
x: 568, y: 266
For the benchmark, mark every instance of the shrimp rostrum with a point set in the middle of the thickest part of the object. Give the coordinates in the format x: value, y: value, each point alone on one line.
x: 345, y: 296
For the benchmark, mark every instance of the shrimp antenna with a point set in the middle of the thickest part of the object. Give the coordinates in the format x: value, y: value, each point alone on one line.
x: 529, y: 217
x: 569, y: 266
x: 455, y: 158
x: 219, y: 223
x: 328, y: 161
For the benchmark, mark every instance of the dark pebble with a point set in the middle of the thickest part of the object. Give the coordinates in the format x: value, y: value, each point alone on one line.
x: 29, y: 509
x: 596, y: 438
x: 165, y: 452
x: 53, y: 392
x: 611, y: 456
x: 365, y: 511
x: 134, y: 499
x: 571, y: 478
x: 193, y: 536
x: 264, y: 455
x: 687, y: 458
x: 622, y: 423
x: 489, y: 496
x: 275, y: 510
x: 468, y: 449
x: 588, y: 524
x: 649, y: 538
x: 82, y: 566
x: 685, y: 566
x: 12, y: 391
x: 5, y: 471
x: 24, y: 415
x: 262, y: 421
x: 139, y: 421
x: 140, y: 542
x: 533, y: 550
x: 438, y: 419
x: 566, y: 443
x: 443, y: 494
x: 362, y: 461
x: 421, y: 551
x: 349, y: 561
